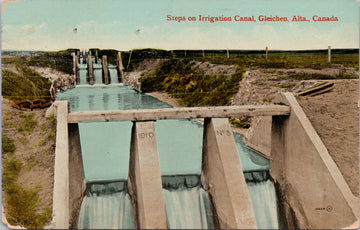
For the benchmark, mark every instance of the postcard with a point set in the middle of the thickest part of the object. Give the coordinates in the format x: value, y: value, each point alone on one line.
x: 234, y: 114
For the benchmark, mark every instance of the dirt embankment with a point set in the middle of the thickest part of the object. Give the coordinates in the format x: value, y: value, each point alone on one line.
x: 259, y: 86
x: 35, y: 149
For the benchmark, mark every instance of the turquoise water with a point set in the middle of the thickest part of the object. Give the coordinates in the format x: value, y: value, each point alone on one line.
x: 179, y: 139
x: 109, y: 97
x: 110, y: 159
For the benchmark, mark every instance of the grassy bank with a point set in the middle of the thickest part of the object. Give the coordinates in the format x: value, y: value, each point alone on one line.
x: 285, y: 60
x: 191, y: 86
x: 27, y: 84
x: 59, y: 60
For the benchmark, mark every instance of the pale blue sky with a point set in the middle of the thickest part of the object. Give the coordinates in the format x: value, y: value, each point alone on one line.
x: 124, y: 25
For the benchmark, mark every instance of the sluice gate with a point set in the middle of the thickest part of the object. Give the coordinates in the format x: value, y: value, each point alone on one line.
x: 90, y: 70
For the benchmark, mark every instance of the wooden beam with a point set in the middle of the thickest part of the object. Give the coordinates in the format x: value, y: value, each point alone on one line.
x: 182, y: 112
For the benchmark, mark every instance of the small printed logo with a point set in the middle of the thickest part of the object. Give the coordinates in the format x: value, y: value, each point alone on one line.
x: 328, y: 208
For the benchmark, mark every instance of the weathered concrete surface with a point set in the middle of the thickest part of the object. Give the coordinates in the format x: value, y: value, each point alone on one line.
x: 145, y: 178
x: 105, y: 69
x: 313, y: 193
x: 120, y: 67
x: 181, y: 112
x: 258, y: 136
x: 90, y: 70
x: 224, y: 177
x: 61, y: 170
x: 76, y: 174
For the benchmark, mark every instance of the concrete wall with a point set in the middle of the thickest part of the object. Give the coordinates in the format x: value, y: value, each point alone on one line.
x: 224, y: 177
x: 61, y: 169
x: 313, y: 193
x: 258, y: 136
x: 76, y: 174
x: 145, y: 184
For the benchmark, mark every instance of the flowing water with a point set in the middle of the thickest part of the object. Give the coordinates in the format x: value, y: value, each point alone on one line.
x: 264, y: 202
x: 187, y: 203
x: 106, y: 148
x: 113, y: 74
x: 82, y: 74
x: 106, y: 206
x: 98, y: 78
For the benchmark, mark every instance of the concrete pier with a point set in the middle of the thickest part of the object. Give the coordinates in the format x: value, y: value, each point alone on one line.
x: 145, y: 184
x: 75, y: 65
x: 314, y: 194
x: 90, y: 70
x: 120, y: 67
x: 105, y: 69
x: 224, y: 177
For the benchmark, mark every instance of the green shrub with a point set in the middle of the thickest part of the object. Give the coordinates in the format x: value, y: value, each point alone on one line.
x: 27, y: 85
x: 28, y: 123
x: 267, y: 100
x: 11, y: 171
x: 243, y: 122
x: 21, y: 203
x: 7, y: 145
x: 290, y: 85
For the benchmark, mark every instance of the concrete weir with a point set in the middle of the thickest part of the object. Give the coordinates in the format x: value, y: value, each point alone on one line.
x: 145, y: 186
x: 313, y: 193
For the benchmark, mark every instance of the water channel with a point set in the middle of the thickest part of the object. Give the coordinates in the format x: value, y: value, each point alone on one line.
x: 106, y: 148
